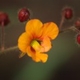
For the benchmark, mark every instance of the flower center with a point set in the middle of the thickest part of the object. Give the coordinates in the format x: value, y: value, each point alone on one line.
x: 35, y: 45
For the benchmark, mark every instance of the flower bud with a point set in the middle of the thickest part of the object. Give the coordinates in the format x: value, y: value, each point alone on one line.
x: 67, y: 13
x: 77, y: 23
x: 78, y: 39
x: 4, y: 19
x: 23, y: 14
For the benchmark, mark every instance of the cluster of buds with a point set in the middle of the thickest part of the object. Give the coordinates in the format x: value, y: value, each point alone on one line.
x: 67, y: 13
x: 77, y: 25
x: 23, y: 15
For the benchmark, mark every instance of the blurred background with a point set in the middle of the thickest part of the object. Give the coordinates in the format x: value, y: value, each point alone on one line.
x: 64, y: 57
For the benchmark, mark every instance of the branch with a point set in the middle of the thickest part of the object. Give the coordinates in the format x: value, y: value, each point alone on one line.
x: 9, y: 49
x: 62, y: 31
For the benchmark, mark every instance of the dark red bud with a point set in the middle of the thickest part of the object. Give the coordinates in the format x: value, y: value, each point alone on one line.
x: 4, y: 19
x: 67, y: 13
x: 77, y: 23
x: 78, y: 38
x: 23, y: 14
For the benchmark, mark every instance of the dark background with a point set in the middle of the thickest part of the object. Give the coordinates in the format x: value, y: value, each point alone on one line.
x: 64, y: 57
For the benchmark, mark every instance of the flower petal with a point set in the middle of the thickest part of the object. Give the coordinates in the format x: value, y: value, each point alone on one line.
x: 23, y: 42
x: 32, y: 54
x: 46, y: 44
x: 33, y: 27
x: 51, y: 30
x: 42, y: 56
x: 37, y: 56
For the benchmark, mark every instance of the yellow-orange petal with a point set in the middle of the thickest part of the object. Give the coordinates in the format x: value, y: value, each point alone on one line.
x: 46, y: 44
x: 33, y: 27
x: 23, y: 42
x: 51, y: 30
x: 37, y: 56
x: 32, y: 54
x: 42, y: 56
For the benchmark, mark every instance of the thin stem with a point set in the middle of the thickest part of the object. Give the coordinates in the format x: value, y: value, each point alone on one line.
x: 2, y: 37
x: 74, y: 29
x: 9, y: 49
x: 61, y: 22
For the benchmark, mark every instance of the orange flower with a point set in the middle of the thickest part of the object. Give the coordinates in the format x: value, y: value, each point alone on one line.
x: 36, y: 40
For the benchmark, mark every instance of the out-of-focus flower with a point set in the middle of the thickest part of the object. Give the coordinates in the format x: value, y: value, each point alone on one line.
x: 36, y: 40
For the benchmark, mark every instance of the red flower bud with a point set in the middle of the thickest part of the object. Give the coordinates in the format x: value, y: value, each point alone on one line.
x: 77, y: 23
x: 4, y: 19
x: 23, y: 14
x: 67, y: 13
x: 78, y: 38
